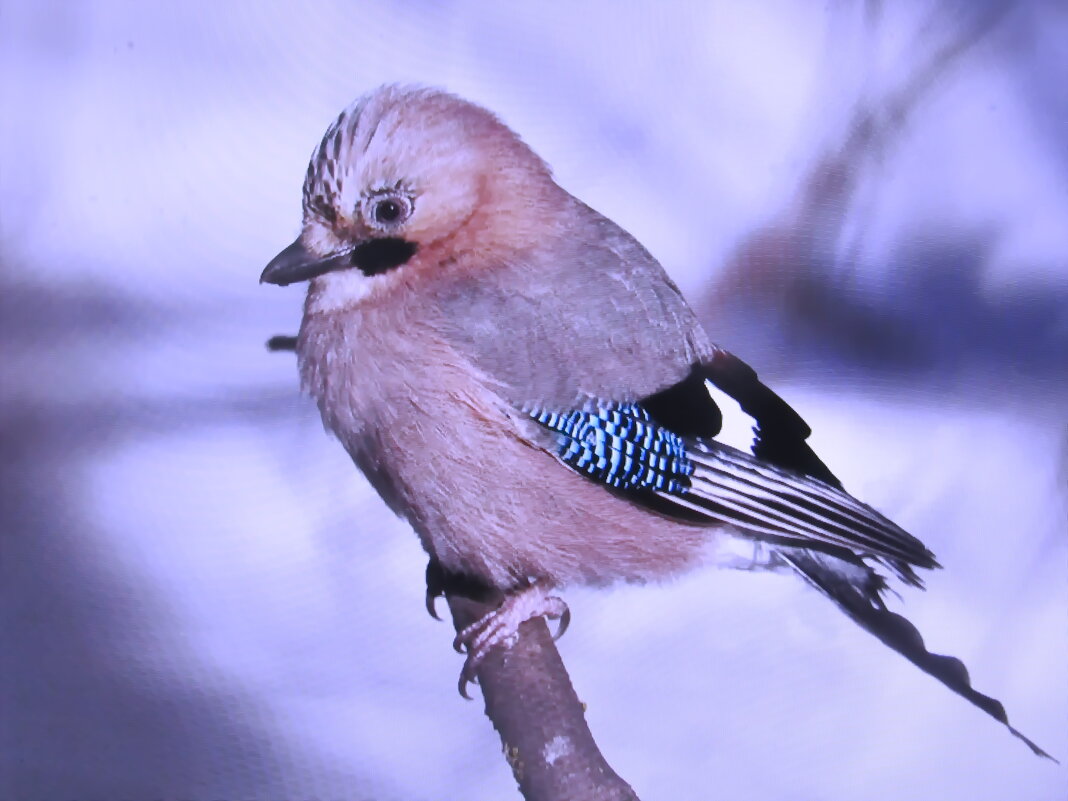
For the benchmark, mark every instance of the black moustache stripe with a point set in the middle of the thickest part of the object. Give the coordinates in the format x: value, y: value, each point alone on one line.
x: 382, y: 255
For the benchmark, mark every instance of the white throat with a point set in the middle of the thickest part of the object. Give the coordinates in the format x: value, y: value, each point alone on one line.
x: 344, y: 289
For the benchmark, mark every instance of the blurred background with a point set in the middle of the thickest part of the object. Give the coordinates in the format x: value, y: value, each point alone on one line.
x: 201, y: 598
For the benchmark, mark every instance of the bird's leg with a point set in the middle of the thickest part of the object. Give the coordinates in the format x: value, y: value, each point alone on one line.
x: 441, y: 582
x: 501, y: 626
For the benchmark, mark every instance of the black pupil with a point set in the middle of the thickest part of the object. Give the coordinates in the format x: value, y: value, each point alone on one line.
x: 388, y: 211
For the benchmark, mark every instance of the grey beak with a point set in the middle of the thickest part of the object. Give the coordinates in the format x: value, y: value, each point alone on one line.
x: 295, y: 263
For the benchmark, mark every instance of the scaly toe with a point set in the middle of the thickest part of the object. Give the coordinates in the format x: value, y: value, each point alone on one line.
x: 461, y: 643
x: 501, y: 627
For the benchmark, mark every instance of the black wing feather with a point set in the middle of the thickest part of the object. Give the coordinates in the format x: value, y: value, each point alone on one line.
x: 780, y: 431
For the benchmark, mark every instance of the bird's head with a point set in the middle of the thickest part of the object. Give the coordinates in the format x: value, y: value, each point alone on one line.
x: 407, y: 175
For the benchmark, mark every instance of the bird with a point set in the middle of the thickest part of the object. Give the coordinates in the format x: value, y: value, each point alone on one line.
x: 520, y: 379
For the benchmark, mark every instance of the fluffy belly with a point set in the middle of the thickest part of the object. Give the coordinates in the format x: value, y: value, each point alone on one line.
x: 445, y: 449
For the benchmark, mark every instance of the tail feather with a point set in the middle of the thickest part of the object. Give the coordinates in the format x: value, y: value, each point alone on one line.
x: 864, y: 605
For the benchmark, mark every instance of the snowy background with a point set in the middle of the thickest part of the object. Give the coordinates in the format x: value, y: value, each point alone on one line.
x: 200, y: 598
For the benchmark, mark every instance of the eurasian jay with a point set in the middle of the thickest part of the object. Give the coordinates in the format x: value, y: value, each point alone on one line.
x: 520, y: 379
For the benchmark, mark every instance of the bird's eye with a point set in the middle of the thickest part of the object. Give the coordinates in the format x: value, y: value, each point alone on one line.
x: 390, y: 210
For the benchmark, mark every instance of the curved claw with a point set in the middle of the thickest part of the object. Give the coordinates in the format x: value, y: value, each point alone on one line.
x: 431, y: 604
x: 467, y: 677
x: 464, y: 681
x: 435, y: 587
x: 564, y: 622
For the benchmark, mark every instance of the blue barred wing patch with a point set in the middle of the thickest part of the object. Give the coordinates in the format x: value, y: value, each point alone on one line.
x: 619, y: 445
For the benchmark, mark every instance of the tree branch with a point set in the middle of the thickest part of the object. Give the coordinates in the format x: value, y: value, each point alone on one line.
x: 532, y: 705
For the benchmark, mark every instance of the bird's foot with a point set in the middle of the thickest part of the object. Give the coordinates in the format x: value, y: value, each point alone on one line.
x: 441, y: 582
x: 501, y: 627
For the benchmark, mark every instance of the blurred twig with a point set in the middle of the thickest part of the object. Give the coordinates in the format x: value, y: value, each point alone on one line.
x: 281, y: 342
x: 788, y: 264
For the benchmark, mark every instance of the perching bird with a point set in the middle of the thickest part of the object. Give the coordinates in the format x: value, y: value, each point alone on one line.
x: 519, y: 378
